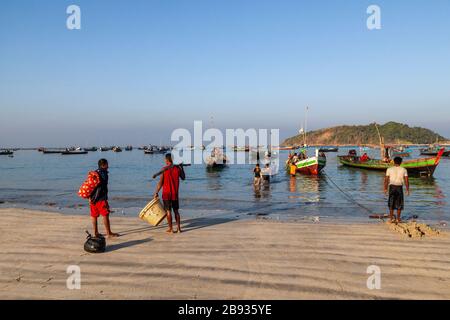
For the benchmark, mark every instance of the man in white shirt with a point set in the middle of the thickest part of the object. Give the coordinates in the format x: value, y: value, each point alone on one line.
x: 396, y: 177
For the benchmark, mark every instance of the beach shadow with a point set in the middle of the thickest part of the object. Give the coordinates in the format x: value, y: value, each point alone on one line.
x: 127, y: 244
x: 186, y: 225
x: 204, y: 222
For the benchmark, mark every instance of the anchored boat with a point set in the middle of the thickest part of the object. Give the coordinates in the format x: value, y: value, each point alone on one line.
x: 433, y: 150
x: 420, y: 167
x: 216, y: 160
x: 309, y: 166
x: 6, y: 152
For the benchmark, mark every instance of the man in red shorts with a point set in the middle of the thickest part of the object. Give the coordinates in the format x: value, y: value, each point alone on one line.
x: 169, y: 182
x: 98, y: 200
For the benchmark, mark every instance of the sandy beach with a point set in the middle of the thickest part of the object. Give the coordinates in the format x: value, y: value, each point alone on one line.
x: 217, y: 258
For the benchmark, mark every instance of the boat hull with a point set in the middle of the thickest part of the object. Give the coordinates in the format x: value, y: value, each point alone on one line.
x: 425, y: 153
x: 310, y: 166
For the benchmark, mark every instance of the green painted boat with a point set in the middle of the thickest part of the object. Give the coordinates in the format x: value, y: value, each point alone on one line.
x: 308, y: 166
x: 420, y: 167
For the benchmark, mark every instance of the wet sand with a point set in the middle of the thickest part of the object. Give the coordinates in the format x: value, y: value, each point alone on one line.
x: 218, y: 258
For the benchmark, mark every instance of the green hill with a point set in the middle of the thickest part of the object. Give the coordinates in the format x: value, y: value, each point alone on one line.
x: 392, y: 132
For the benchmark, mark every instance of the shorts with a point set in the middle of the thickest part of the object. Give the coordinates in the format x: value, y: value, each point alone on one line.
x: 100, y: 208
x: 396, y: 200
x: 171, y: 204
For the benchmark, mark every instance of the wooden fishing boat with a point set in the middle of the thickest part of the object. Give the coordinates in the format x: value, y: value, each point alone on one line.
x: 73, y: 152
x: 308, y: 166
x: 6, y: 152
x: 433, y: 151
x: 116, y: 149
x: 287, y: 148
x: 420, y: 167
x: 92, y: 149
x: 52, y: 151
x: 329, y: 149
x: 216, y: 160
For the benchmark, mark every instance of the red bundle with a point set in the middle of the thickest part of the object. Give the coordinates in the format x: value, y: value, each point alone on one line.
x: 88, y: 186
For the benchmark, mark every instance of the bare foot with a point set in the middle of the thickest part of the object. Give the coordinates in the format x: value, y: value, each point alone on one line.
x: 169, y: 231
x: 113, y: 235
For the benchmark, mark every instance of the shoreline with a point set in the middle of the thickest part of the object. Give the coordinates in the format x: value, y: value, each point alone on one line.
x: 217, y: 258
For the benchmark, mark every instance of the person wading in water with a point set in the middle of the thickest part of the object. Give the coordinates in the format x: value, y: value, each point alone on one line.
x: 396, y: 177
x: 169, y: 182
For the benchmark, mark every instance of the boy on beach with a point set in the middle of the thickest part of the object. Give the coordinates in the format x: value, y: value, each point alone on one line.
x: 98, y: 201
x: 169, y: 182
x: 396, y: 177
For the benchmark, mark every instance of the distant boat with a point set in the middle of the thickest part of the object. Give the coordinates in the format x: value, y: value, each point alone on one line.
x: 6, y: 152
x: 52, y: 151
x: 433, y: 150
x: 92, y: 149
x: 329, y: 149
x: 129, y: 148
x: 420, y: 167
x: 105, y: 149
x: 73, y: 152
x: 287, y: 148
x: 216, y: 160
x: 401, y: 152
x: 116, y: 149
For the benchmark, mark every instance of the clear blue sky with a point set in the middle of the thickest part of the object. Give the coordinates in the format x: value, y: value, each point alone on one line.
x: 138, y: 69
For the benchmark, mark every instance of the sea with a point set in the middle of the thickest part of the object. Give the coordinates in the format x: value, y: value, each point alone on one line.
x: 50, y: 182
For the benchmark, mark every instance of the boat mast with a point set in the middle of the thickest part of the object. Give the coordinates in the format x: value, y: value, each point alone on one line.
x: 381, y: 141
x: 306, y: 128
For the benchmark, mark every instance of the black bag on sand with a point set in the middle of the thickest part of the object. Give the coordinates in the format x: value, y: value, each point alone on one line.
x: 94, y: 244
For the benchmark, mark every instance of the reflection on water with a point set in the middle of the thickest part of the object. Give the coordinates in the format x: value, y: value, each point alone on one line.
x: 36, y: 179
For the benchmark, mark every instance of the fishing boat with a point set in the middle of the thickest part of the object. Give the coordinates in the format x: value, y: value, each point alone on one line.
x: 400, y: 152
x: 287, y: 148
x: 420, y: 167
x: 116, y: 149
x: 302, y: 163
x: 103, y: 149
x: 74, y: 152
x: 6, y: 152
x: 309, y: 165
x: 329, y: 149
x: 129, y: 148
x: 216, y: 160
x: 433, y: 150
x: 92, y: 149
x: 52, y: 151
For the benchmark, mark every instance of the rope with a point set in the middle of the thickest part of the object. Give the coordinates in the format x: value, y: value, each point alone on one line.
x: 349, y: 197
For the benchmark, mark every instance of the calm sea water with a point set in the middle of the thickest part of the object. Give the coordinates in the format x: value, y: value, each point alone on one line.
x: 46, y: 181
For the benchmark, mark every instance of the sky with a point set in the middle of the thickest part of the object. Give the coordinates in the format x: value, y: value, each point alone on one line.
x: 137, y: 70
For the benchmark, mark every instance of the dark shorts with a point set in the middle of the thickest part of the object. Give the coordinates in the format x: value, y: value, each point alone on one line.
x: 396, y: 200
x: 171, y: 204
x: 100, y: 208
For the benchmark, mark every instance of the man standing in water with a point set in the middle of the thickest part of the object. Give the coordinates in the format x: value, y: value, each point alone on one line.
x: 169, y: 182
x: 98, y: 201
x: 396, y: 177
